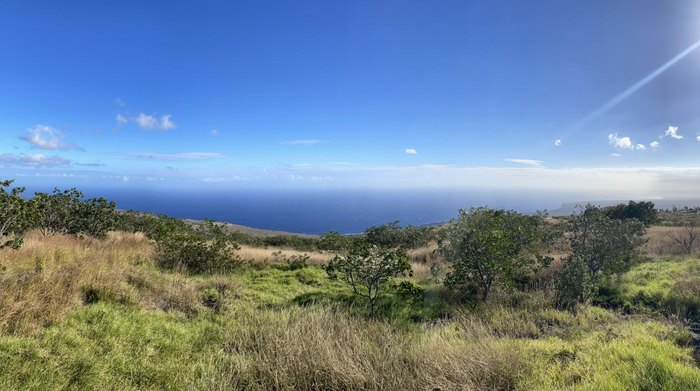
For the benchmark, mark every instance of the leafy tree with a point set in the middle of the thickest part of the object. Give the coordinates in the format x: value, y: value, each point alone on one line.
x: 53, y: 212
x: 367, y: 268
x: 13, y: 215
x: 65, y: 212
x: 643, y: 211
x: 207, y: 249
x: 392, y: 235
x: 95, y: 217
x: 334, y: 241
x: 600, y: 247
x: 494, y: 247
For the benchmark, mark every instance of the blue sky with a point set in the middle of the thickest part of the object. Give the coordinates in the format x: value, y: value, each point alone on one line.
x: 377, y: 94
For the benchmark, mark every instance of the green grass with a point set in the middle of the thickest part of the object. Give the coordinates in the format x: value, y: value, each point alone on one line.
x: 276, y: 328
x: 667, y: 286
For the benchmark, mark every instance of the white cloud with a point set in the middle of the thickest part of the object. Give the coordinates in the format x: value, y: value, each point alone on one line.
x: 146, y: 121
x: 526, y: 162
x: 47, y: 137
x: 149, y: 122
x: 166, y: 123
x: 640, y: 147
x: 303, y: 142
x: 33, y: 160
x: 411, y: 151
x: 557, y: 142
x: 654, y: 144
x: 215, y: 132
x: 672, y: 132
x: 121, y: 120
x: 175, y: 156
x: 615, y: 154
x: 697, y: 138
x: 620, y: 142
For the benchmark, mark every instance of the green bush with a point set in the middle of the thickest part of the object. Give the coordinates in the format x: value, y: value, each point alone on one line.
x: 14, y: 212
x: 67, y: 212
x: 367, y: 268
x: 205, y: 250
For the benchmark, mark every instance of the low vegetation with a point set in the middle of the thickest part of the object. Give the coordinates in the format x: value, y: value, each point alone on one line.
x: 157, y: 303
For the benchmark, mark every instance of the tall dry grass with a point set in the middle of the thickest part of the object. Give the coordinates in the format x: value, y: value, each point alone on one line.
x: 660, y: 241
x: 50, y: 276
x: 327, y: 349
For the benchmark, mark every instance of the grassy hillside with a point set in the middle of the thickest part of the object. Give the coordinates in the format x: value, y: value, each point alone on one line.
x: 90, y: 314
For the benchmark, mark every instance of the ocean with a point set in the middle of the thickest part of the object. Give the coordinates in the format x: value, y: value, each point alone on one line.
x: 319, y: 211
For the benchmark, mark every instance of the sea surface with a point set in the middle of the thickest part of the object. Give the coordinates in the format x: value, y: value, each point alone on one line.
x: 319, y: 211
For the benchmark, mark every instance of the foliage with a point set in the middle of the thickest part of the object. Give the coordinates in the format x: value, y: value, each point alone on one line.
x: 208, y: 249
x: 643, y: 211
x: 334, y: 241
x: 153, y: 226
x: 367, y: 268
x: 392, y: 235
x: 67, y: 212
x: 13, y: 215
x: 600, y: 247
x: 489, y: 247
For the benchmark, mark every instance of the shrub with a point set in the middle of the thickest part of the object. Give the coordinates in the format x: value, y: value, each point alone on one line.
x: 394, y: 236
x: 66, y: 212
x: 600, y: 247
x: 493, y: 247
x: 205, y: 250
x: 643, y: 212
x: 13, y: 215
x: 367, y: 268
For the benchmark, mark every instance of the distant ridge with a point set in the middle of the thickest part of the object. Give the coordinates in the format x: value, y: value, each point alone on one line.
x: 263, y: 233
x: 570, y: 207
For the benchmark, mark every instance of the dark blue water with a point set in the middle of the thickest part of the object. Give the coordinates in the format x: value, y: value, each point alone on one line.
x: 318, y: 211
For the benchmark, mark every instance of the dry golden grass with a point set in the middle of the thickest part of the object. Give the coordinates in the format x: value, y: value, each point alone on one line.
x: 660, y: 241
x: 50, y: 276
x: 326, y: 349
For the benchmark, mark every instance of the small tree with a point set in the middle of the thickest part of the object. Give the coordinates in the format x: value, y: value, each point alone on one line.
x: 600, y: 247
x: 394, y: 236
x: 685, y: 238
x: 207, y: 249
x: 95, y: 217
x: 65, y: 212
x: 643, y: 211
x: 13, y: 215
x: 367, y: 268
x: 494, y: 247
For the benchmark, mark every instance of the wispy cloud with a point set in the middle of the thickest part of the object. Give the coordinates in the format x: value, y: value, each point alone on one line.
x: 121, y: 120
x: 150, y: 122
x: 557, y: 142
x: 655, y: 144
x: 672, y: 132
x: 526, y: 162
x: 47, y: 137
x: 119, y: 102
x: 175, y: 156
x: 410, y: 151
x: 215, y: 132
x: 33, y: 160
x: 303, y: 142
